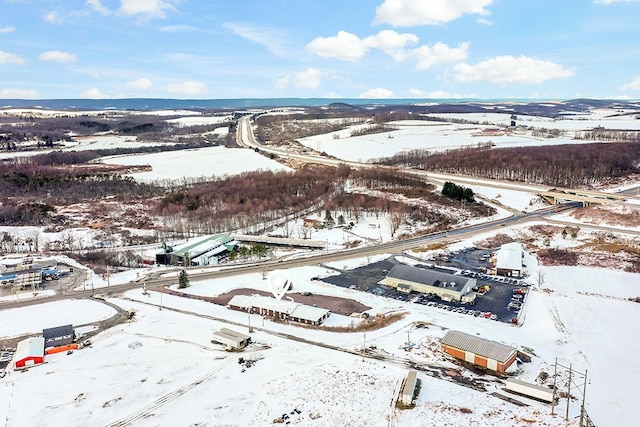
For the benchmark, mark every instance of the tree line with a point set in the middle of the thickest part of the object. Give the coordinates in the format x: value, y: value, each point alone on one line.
x: 571, y: 165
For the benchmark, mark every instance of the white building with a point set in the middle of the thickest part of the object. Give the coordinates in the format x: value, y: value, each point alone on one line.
x: 510, y: 260
x: 279, y: 309
x: 231, y: 339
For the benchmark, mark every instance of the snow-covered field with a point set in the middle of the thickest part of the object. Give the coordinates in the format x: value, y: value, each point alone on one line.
x: 163, y: 369
x: 200, y: 162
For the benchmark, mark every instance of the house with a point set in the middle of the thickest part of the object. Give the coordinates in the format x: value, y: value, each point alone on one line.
x: 60, y: 335
x: 448, y: 287
x: 509, y: 260
x: 479, y: 351
x: 29, y: 352
x: 279, y: 309
x: 408, y: 388
x: 231, y: 339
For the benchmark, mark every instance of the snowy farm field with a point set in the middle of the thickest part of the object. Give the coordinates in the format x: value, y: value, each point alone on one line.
x: 196, y: 163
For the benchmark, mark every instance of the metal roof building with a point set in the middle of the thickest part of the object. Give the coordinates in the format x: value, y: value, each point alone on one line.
x: 409, y: 388
x: 29, y: 352
x: 509, y: 260
x: 448, y: 287
x: 231, y: 338
x: 479, y: 351
x: 204, y: 251
x: 60, y: 335
x: 280, y: 309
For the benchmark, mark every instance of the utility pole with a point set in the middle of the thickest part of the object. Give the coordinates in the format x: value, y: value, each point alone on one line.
x: 364, y: 345
x: 584, y: 393
x: 566, y: 416
x: 555, y: 374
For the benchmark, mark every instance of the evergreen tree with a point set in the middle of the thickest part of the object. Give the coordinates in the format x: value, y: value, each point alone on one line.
x: 183, y: 279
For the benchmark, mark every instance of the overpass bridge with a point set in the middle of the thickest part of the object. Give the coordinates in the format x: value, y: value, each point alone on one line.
x: 586, y: 197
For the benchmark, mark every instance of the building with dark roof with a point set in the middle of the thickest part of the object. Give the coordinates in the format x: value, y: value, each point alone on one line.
x: 60, y: 335
x: 448, y: 287
x: 479, y: 351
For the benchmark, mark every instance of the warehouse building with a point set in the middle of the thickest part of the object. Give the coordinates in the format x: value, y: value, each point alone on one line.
x: 479, y: 351
x: 205, y: 251
x: 60, y: 335
x: 279, y: 309
x: 29, y: 352
x: 231, y: 339
x: 448, y: 287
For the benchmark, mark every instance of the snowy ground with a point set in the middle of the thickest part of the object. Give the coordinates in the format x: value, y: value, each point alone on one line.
x: 201, y: 162
x: 162, y: 369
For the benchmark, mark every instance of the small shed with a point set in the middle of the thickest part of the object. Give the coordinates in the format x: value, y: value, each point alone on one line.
x: 57, y: 336
x: 408, y: 388
x: 232, y: 339
x: 479, y: 351
x: 29, y: 352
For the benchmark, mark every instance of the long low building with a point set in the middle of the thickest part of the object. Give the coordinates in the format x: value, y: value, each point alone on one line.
x: 479, y: 351
x: 231, y: 339
x: 408, y: 388
x: 448, y: 287
x: 279, y: 309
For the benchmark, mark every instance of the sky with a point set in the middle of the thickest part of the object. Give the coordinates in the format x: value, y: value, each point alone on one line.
x: 190, y: 49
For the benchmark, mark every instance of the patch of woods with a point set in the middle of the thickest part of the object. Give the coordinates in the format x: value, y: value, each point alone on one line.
x: 552, y: 257
x: 573, y: 165
x: 258, y: 198
x: 46, y: 132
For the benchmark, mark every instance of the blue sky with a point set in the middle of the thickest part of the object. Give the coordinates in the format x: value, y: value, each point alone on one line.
x: 198, y: 49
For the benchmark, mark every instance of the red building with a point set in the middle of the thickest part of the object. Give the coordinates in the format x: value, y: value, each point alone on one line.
x: 29, y: 352
x: 479, y: 351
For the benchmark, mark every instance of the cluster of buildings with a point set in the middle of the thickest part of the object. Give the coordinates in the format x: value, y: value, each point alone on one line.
x: 26, y: 275
x: 32, y: 351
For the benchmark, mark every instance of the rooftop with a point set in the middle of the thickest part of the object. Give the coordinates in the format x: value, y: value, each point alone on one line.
x: 428, y: 277
x: 480, y: 346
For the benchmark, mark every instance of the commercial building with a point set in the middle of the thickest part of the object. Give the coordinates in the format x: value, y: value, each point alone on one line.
x: 448, y: 287
x: 510, y: 260
x: 60, y: 335
x: 205, y: 251
x: 231, y: 339
x: 29, y: 352
x: 408, y: 388
x: 479, y: 351
x: 279, y: 309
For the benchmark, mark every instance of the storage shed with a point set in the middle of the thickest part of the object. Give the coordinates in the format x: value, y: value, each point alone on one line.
x: 479, y: 351
x: 408, y: 388
x: 231, y: 339
x: 60, y: 335
x: 29, y: 352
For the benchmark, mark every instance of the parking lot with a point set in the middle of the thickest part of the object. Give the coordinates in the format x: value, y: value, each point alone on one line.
x: 501, y: 300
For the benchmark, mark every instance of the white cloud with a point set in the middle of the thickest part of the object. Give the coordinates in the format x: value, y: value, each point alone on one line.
x: 391, y: 43
x: 377, y: 93
x: 344, y: 46
x: 484, y: 21
x: 53, y: 17
x: 7, y: 58
x: 140, y: 84
x: 267, y: 37
x: 187, y: 88
x: 439, y: 53
x: 7, y: 30
x: 407, y: 13
x: 307, y: 79
x: 18, y: 93
x: 632, y: 85
x: 98, y: 7
x: 507, y: 69
x: 93, y: 93
x: 146, y: 8
x: 57, y: 56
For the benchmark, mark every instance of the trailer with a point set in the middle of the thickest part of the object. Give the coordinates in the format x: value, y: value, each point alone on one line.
x: 534, y: 391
